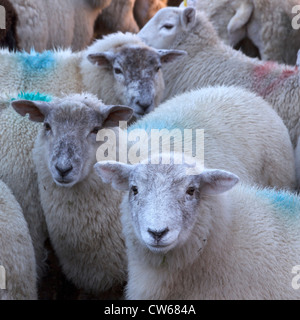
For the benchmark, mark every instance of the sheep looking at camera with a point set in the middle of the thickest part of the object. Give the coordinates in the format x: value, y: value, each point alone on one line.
x: 272, y: 163
x: 81, y: 215
x: 198, y: 237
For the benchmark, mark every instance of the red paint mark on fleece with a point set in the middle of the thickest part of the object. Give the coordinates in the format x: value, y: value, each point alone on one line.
x: 267, y: 78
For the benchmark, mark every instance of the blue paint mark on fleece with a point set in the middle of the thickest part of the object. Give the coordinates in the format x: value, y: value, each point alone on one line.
x: 36, y: 62
x: 32, y: 96
x: 284, y: 201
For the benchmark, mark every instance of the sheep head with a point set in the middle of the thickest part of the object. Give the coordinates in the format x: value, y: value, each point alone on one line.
x: 163, y: 200
x: 68, y: 140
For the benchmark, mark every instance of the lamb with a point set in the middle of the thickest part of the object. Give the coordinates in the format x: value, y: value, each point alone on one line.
x: 120, y: 69
x: 8, y: 35
x: 267, y: 23
x: 81, y: 216
x: 18, y: 279
x: 211, y: 62
x: 46, y: 73
x: 96, y: 260
x: 201, y: 236
x: 45, y: 25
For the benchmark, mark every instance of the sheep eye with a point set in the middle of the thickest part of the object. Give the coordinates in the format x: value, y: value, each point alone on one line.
x: 47, y: 126
x: 95, y: 130
x: 134, y: 189
x: 190, y: 191
x: 168, y: 26
x: 118, y: 71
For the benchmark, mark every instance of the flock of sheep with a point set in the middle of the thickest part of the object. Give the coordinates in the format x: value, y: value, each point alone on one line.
x: 229, y: 230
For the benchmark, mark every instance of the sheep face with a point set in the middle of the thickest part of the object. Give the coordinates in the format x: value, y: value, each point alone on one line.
x: 68, y: 138
x: 138, y: 79
x: 164, y: 202
x: 162, y: 30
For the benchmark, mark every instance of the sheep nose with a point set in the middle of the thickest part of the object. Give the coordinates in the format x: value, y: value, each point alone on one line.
x: 158, y: 235
x: 63, y: 171
x: 144, y: 105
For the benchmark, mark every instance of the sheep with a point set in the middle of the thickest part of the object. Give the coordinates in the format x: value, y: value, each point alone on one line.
x: 211, y: 62
x: 267, y: 23
x: 17, y: 260
x: 17, y: 137
x: 8, y: 35
x: 45, y: 25
x: 120, y: 69
x: 144, y: 10
x: 87, y: 207
x: 118, y: 16
x: 234, y: 121
x: 81, y: 216
x: 63, y: 74
x: 201, y: 236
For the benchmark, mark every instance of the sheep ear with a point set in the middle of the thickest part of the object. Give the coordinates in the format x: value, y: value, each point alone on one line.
x: 115, y: 173
x: 236, y: 26
x: 37, y: 110
x: 217, y: 181
x: 167, y: 56
x: 103, y: 59
x: 112, y: 115
x: 188, y: 18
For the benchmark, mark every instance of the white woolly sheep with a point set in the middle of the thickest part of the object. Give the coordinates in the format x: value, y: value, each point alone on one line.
x: 79, y: 209
x: 119, y: 69
x: 211, y: 62
x: 267, y: 23
x: 81, y: 216
x: 17, y: 137
x: 237, y: 123
x: 130, y: 74
x: 18, y: 279
x: 57, y: 24
x: 189, y: 237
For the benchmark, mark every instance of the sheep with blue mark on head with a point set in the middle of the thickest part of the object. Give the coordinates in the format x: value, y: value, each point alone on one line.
x: 233, y: 126
x: 202, y: 236
x: 119, y: 69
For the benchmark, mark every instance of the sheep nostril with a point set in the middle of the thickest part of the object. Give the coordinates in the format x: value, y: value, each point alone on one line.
x: 158, y: 235
x: 63, y: 171
x: 144, y: 105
